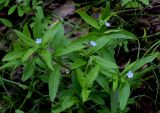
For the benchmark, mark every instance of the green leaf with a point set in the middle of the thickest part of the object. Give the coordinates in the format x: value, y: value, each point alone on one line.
x: 47, y: 57
x: 104, y: 62
x: 108, y: 54
x: 91, y: 76
x: 50, y: 33
x: 40, y: 63
x: 12, y: 9
x: 6, y: 22
x: 124, y: 2
x: 10, y: 64
x: 26, y: 30
x: 17, y: 53
x: 124, y: 95
x: 139, y: 63
x: 69, y: 48
x: 100, y: 43
x: 53, y: 84
x: 66, y: 102
x: 2, y: 1
x: 115, y: 83
x: 29, y: 53
x: 29, y: 94
x: 44, y: 78
x: 105, y: 12
x: 109, y: 73
x: 133, y: 4
x: 19, y: 111
x: 59, y: 39
x: 19, y: 1
x: 6, y: 3
x: 97, y: 99
x: 81, y: 78
x: 104, y: 110
x: 81, y: 110
x: 145, y: 2
x: 24, y: 87
x: 87, y: 38
x: 85, y: 94
x: 26, y: 2
x: 114, y: 101
x: 103, y: 82
x: 120, y: 34
x: 38, y: 28
x: 20, y: 11
x: 78, y: 63
x: 75, y: 84
x: 28, y: 70
x: 88, y: 19
x: 27, y: 40
x: 39, y: 12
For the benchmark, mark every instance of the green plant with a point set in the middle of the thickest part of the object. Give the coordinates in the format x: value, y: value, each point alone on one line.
x: 6, y: 22
x: 25, y: 7
x: 81, y: 74
x: 134, y: 3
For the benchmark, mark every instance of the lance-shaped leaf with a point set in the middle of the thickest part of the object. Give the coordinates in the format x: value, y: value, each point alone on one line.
x: 120, y: 34
x: 17, y: 53
x: 47, y: 57
x: 27, y: 40
x: 26, y: 30
x: 85, y: 94
x: 28, y: 70
x: 10, y: 64
x: 29, y: 53
x: 81, y: 78
x: 100, y: 43
x: 114, y: 96
x: 65, y: 102
x: 146, y: 2
x: 123, y: 96
x: 103, y: 82
x: 78, y: 63
x: 69, y: 48
x: 88, y: 19
x: 53, y: 84
x: 134, y: 66
x: 104, y: 63
x: 12, y: 9
x: 91, y: 76
x: 50, y: 33
x: 6, y: 22
x: 19, y: 111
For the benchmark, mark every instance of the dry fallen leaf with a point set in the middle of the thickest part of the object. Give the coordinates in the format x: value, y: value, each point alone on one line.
x: 66, y: 9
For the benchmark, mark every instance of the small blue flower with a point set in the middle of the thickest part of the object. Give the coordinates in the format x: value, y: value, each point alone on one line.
x: 107, y: 24
x: 130, y: 74
x: 93, y: 43
x: 38, y: 40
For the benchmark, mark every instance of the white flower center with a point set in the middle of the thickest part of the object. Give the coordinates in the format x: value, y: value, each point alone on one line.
x: 130, y: 74
x: 93, y: 43
x: 38, y: 40
x: 107, y: 24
